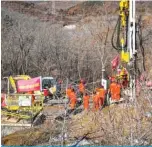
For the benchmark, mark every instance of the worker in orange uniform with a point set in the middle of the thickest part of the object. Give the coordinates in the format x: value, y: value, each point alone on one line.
x: 96, y: 100
x: 81, y: 87
x: 115, y: 90
x: 101, y: 93
x: 68, y: 91
x: 73, y: 99
x: 86, y: 98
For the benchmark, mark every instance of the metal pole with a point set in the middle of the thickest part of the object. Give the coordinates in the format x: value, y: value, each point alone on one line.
x: 132, y: 49
x: 64, y: 122
x: 134, y: 53
x: 103, y: 72
x: 130, y: 45
x: 130, y: 29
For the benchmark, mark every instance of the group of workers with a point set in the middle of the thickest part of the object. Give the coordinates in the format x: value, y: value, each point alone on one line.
x: 98, y: 96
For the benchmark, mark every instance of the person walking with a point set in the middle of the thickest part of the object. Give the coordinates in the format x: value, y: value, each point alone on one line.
x: 96, y: 100
x: 73, y: 99
x: 86, y: 98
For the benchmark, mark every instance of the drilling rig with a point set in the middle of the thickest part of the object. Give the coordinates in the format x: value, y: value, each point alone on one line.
x: 124, y: 40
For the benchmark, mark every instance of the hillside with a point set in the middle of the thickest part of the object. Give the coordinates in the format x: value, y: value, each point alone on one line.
x: 71, y: 40
x: 91, y: 18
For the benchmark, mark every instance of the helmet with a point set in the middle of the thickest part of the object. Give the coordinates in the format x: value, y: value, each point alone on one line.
x: 81, y: 80
x: 101, y: 86
x: 69, y: 86
x: 113, y: 79
x: 60, y: 81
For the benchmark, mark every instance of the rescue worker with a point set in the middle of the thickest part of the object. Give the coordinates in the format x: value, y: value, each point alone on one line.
x: 125, y: 81
x: 86, y: 98
x: 81, y: 87
x: 73, y: 99
x: 96, y: 100
x: 101, y: 93
x: 115, y: 90
x: 68, y: 91
x: 124, y: 78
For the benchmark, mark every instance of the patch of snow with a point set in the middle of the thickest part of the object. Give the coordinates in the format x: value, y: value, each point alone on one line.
x: 70, y: 27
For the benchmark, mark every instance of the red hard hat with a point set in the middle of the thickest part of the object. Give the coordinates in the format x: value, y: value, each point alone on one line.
x: 60, y: 81
x: 101, y: 86
x: 81, y: 80
x: 69, y: 86
x: 113, y: 79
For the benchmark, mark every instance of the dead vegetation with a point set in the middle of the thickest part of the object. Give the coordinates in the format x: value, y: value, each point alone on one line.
x: 30, y: 46
x: 118, y: 124
x: 27, y: 137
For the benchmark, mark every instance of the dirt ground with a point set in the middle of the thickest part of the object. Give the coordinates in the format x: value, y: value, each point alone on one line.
x: 95, y: 126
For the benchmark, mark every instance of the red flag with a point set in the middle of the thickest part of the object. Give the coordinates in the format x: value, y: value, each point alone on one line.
x: 33, y: 84
x: 115, y: 62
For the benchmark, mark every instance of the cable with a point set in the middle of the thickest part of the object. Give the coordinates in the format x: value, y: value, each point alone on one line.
x: 112, y: 39
x: 117, y: 30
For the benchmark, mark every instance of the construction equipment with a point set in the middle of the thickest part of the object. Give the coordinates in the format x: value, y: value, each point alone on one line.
x: 48, y: 84
x: 22, y: 105
x: 123, y: 40
x: 49, y: 87
x: 14, y: 79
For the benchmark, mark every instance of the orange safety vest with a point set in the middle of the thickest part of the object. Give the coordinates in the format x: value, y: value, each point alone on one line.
x: 81, y: 87
x: 86, y: 101
x: 73, y: 100
x: 102, y: 92
x: 68, y: 92
x: 115, y: 90
x: 96, y: 100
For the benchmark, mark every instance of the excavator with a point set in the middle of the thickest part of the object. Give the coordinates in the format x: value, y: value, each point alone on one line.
x: 48, y: 84
x: 25, y: 105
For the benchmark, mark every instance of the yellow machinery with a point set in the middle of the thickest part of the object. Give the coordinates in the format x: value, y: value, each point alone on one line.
x: 120, y: 37
x: 13, y: 80
x: 124, y: 40
x: 21, y: 105
x: 121, y: 31
x: 25, y: 105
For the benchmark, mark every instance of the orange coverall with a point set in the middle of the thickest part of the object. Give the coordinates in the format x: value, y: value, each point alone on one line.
x: 101, y: 94
x: 68, y: 92
x: 81, y: 87
x: 73, y: 100
x: 86, y: 101
x: 115, y: 90
x: 96, y: 100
